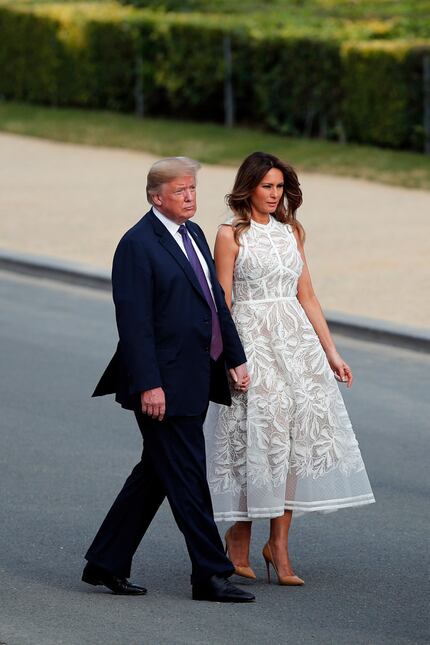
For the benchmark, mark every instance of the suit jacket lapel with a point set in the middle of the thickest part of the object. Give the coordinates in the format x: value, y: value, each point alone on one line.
x: 172, y: 247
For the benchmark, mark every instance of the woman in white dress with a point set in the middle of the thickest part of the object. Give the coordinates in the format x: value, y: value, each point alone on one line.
x: 286, y: 444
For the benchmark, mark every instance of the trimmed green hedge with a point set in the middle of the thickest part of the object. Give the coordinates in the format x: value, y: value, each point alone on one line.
x: 29, y: 57
x: 383, y: 93
x: 107, y: 56
x: 294, y: 84
x: 66, y: 58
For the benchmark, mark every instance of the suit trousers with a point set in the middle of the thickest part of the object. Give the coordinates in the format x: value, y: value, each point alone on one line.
x: 173, y: 465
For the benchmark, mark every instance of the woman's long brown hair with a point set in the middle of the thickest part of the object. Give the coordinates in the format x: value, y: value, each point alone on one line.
x: 249, y: 175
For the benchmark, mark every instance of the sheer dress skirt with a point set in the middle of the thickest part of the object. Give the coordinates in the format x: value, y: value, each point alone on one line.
x: 288, y: 442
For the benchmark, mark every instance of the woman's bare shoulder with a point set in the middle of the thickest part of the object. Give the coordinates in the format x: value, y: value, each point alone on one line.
x: 298, y: 233
x: 225, y: 233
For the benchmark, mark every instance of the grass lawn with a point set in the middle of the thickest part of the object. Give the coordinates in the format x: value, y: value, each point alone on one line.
x: 214, y: 144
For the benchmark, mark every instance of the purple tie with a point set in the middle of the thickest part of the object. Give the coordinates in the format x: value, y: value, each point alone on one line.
x: 216, y: 340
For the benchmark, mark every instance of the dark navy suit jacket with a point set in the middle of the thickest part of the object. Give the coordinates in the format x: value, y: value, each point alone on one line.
x: 165, y: 326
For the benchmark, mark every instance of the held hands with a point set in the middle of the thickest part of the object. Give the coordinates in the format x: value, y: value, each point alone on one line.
x: 342, y: 371
x: 240, y: 378
x: 154, y: 403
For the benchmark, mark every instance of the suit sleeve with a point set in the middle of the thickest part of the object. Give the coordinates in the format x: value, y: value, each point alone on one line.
x: 132, y: 286
x: 234, y: 353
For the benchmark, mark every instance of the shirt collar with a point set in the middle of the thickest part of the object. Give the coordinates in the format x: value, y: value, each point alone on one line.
x: 171, y: 226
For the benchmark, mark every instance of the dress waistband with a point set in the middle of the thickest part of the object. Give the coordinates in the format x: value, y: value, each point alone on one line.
x: 256, y: 302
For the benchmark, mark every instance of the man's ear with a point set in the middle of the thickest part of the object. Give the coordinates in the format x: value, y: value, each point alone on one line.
x: 157, y: 199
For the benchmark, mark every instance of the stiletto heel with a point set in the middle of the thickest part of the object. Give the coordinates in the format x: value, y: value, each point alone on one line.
x: 268, y: 571
x: 244, y: 572
x: 282, y: 580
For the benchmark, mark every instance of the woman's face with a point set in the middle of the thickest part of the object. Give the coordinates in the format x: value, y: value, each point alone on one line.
x: 268, y: 193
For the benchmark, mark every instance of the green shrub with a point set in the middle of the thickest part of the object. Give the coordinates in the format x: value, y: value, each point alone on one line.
x: 112, y: 48
x: 186, y: 75
x: 63, y: 55
x: 107, y: 56
x: 353, y: 20
x: 101, y: 44
x: 382, y: 90
x: 295, y: 84
x: 29, y: 57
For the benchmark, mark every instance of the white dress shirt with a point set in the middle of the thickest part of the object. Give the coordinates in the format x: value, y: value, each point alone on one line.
x: 173, y: 229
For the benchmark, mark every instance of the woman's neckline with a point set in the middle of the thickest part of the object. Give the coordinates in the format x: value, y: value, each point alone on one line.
x: 261, y: 225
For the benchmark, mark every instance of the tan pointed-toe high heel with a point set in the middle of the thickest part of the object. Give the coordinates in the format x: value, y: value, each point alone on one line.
x: 291, y: 581
x: 244, y: 572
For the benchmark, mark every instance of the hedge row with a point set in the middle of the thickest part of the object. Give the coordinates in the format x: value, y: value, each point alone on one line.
x: 383, y: 93
x: 125, y: 59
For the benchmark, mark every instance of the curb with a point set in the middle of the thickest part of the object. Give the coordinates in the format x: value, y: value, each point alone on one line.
x: 379, y: 331
x: 362, y: 328
x: 41, y: 266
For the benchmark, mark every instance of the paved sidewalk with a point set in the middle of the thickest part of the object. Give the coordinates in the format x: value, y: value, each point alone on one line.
x: 367, y: 244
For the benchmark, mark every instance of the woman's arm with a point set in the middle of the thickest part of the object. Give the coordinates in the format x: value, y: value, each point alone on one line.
x: 309, y: 301
x: 225, y: 255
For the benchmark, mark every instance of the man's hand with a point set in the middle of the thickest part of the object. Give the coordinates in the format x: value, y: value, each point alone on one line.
x: 240, y: 378
x: 154, y: 403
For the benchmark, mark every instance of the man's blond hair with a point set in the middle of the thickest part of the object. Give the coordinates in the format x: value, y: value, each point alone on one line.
x: 165, y: 170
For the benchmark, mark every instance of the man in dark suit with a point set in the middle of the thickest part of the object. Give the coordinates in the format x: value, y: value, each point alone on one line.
x: 176, y: 342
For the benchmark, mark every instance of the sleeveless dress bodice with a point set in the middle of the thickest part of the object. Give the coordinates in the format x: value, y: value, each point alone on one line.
x: 268, y: 265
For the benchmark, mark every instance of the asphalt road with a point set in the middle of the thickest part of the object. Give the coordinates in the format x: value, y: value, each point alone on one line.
x: 64, y: 456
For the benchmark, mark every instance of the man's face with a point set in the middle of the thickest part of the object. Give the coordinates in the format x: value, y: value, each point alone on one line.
x: 177, y: 199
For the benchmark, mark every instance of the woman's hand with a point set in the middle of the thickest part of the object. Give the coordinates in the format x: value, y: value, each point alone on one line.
x: 240, y: 377
x: 342, y: 371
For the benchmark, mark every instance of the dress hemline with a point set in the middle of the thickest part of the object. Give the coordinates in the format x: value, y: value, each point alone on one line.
x: 299, y: 507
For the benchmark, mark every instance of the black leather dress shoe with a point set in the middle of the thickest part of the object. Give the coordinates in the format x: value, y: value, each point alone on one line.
x: 94, y: 575
x: 217, y: 589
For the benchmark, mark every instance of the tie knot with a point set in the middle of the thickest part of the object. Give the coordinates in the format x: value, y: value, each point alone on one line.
x: 183, y: 230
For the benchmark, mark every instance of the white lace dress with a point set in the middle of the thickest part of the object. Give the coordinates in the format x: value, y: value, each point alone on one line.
x: 288, y: 442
